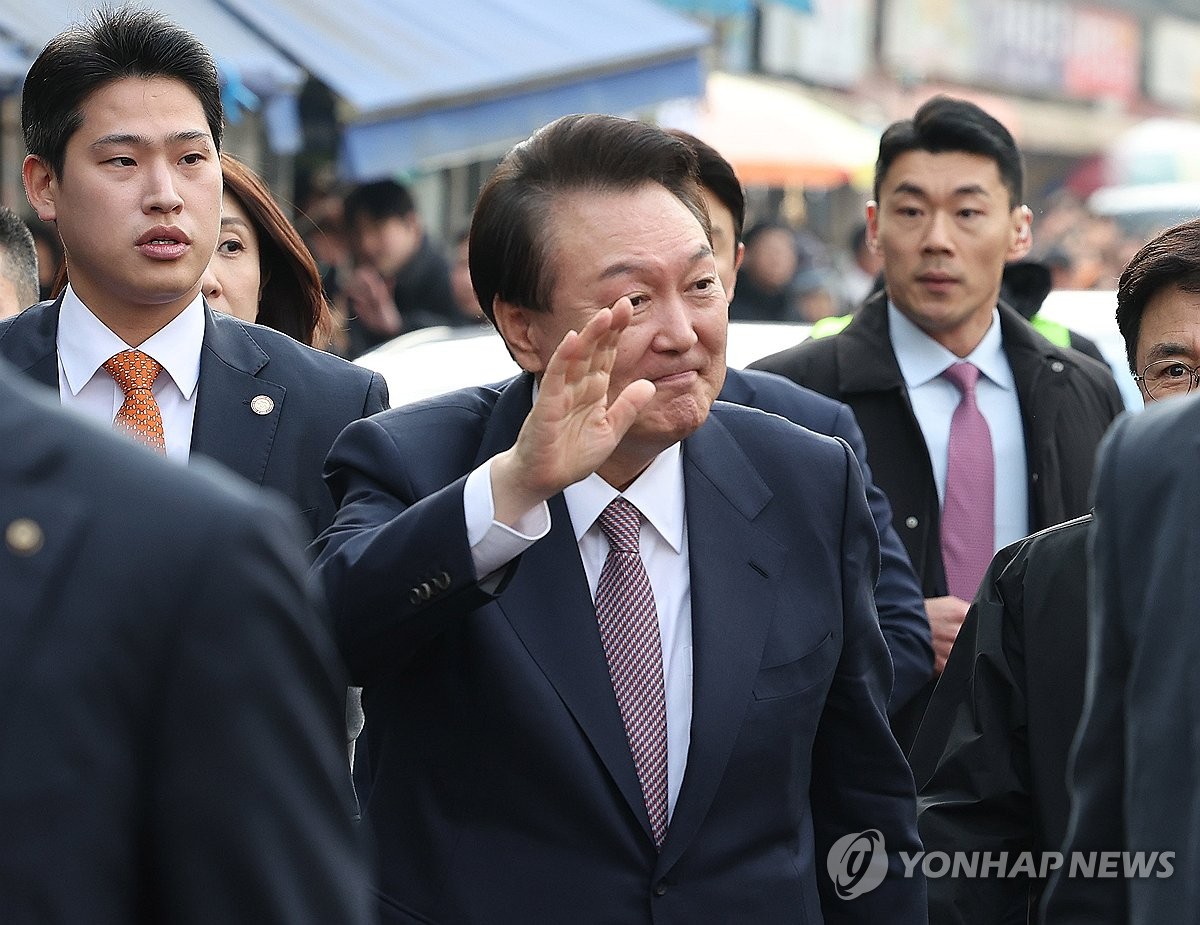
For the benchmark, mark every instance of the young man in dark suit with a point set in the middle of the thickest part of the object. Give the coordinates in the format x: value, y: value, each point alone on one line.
x: 619, y: 662
x: 122, y: 120
x: 946, y: 217
x: 139, y: 604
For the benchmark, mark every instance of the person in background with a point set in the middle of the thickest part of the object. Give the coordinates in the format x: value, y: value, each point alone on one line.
x: 261, y: 270
x: 978, y: 428
x: 897, y: 594
x: 49, y: 257
x: 765, y: 291
x: 400, y: 282
x: 171, y: 697
x: 858, y: 271
x: 19, y: 283
x: 460, y: 282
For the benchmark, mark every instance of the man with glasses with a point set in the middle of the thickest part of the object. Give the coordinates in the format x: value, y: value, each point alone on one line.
x: 990, y: 758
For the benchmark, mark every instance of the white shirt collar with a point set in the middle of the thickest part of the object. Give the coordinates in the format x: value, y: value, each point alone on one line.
x: 922, y: 359
x: 85, y: 344
x: 658, y: 493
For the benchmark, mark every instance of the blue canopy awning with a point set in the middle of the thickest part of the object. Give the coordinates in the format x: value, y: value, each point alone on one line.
x: 430, y: 80
x: 239, y: 51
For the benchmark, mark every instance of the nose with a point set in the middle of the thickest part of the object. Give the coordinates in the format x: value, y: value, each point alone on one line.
x: 161, y: 194
x: 675, y: 331
x: 937, y: 232
x: 210, y: 285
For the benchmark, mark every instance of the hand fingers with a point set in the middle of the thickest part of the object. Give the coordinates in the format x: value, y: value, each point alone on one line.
x: 628, y: 405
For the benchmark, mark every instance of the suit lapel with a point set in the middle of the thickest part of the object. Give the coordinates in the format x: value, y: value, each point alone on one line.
x: 228, y: 425
x: 734, y: 569
x: 547, y: 602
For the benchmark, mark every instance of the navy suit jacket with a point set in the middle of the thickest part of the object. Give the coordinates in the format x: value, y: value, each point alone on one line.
x: 503, y: 786
x: 171, y: 718
x: 314, y: 395
x: 898, y: 595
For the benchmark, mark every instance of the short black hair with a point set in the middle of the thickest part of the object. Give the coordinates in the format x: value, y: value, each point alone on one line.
x: 111, y: 45
x: 719, y: 178
x: 1172, y: 260
x: 378, y: 200
x: 18, y: 257
x: 509, y: 250
x: 945, y: 124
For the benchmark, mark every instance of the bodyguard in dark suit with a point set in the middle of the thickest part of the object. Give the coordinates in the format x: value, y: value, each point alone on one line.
x: 990, y: 758
x: 897, y: 594
x: 127, y: 167
x: 139, y: 604
x: 946, y: 217
x: 674, y: 718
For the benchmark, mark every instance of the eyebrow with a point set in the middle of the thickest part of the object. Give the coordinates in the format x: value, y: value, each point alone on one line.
x: 622, y: 269
x: 970, y: 189
x: 1167, y: 350
x: 135, y: 140
x: 227, y: 220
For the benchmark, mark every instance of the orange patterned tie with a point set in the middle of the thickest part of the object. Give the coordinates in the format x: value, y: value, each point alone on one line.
x: 139, y: 416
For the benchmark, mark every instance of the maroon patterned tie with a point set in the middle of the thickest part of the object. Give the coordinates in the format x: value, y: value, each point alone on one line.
x: 969, y: 510
x: 629, y: 631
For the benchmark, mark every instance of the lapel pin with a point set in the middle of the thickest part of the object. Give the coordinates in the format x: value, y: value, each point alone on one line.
x: 262, y: 404
x: 23, y: 536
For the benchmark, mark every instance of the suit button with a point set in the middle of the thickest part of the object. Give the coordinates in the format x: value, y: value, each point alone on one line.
x: 912, y: 523
x: 414, y: 596
x: 425, y: 591
x: 660, y: 888
x: 442, y: 582
x: 1057, y: 366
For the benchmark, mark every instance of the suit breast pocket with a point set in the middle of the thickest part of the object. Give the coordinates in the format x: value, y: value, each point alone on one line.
x: 797, y: 675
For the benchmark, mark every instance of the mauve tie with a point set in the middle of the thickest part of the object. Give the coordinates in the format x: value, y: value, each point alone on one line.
x: 969, y: 511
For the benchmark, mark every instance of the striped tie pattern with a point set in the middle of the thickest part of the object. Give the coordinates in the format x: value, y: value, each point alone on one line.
x: 139, y: 416
x: 628, y: 620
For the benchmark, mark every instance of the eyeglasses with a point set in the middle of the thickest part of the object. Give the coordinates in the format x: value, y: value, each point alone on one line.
x: 1168, y: 377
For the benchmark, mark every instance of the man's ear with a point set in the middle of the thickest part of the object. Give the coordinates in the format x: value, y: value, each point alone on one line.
x: 516, y: 325
x: 40, y: 187
x: 731, y: 284
x: 1022, y: 234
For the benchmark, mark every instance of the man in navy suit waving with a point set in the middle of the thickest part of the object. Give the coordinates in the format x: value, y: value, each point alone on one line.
x: 122, y: 119
x: 619, y: 663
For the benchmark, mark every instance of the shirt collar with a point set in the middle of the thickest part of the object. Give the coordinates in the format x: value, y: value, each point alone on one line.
x: 85, y: 344
x: 657, y: 493
x: 922, y: 359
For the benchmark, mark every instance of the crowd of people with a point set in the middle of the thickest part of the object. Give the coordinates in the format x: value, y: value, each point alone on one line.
x: 630, y: 637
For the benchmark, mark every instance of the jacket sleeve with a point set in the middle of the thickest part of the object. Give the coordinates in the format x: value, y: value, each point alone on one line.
x: 861, y: 782
x: 970, y: 756
x: 898, y: 597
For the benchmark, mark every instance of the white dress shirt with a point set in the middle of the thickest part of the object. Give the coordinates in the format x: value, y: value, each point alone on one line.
x: 922, y: 361
x: 85, y: 344
x: 659, y: 494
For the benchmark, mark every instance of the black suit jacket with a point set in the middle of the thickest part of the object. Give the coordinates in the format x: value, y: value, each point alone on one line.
x: 170, y: 705
x: 1067, y: 402
x: 990, y: 758
x: 503, y: 785
x: 897, y: 594
x: 313, y: 395
x: 1135, y: 763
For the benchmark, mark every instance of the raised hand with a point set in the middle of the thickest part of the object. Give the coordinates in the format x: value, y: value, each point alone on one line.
x: 572, y: 429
